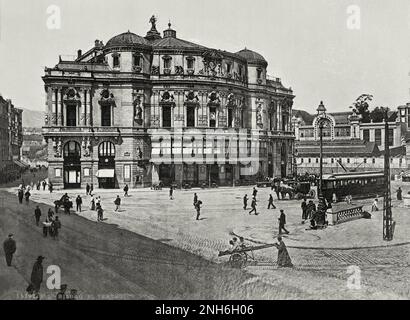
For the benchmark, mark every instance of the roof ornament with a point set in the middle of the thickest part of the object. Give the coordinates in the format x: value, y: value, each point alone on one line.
x: 153, y: 22
x: 169, y: 24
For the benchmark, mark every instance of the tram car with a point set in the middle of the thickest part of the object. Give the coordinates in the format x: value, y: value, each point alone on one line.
x: 359, y: 185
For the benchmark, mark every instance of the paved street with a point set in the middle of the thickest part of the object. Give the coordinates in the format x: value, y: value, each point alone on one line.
x: 320, y: 257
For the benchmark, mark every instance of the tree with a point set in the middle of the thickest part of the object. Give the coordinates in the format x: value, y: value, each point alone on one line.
x: 377, y: 114
x: 361, y: 106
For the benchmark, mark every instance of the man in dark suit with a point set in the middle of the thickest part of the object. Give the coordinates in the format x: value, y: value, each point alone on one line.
x: 9, y: 247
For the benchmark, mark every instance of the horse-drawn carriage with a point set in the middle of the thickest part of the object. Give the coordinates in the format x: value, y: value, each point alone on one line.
x: 296, y: 189
x: 239, y: 257
x: 63, y: 202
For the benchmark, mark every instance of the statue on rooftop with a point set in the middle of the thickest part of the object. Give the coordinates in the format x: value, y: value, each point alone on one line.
x: 153, y: 21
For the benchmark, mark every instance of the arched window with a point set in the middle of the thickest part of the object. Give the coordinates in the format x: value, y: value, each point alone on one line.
x: 72, y: 150
x: 106, y: 149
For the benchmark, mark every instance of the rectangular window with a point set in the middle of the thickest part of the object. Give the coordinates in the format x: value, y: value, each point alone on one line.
x: 212, y: 114
x: 310, y: 160
x: 116, y: 61
x: 230, y: 118
x: 365, y: 160
x: 71, y: 116
x: 259, y: 71
x: 301, y: 160
x: 348, y: 160
x: 57, y: 172
x: 166, y: 117
x: 374, y: 160
x: 366, y: 135
x: 106, y: 116
x: 86, y: 172
x: 137, y: 60
x: 391, y: 137
x: 167, y: 63
x: 127, y: 172
x: 190, y: 63
x: 228, y: 68
x: 378, y: 137
x: 190, y: 116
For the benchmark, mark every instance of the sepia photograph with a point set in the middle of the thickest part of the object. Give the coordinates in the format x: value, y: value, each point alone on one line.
x: 215, y: 151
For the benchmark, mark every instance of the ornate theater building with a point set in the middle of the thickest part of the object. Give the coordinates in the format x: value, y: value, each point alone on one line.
x: 139, y: 110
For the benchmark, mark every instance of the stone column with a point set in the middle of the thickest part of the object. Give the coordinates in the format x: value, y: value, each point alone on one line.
x: 61, y: 104
x: 89, y: 108
x: 84, y: 108
x: 54, y: 111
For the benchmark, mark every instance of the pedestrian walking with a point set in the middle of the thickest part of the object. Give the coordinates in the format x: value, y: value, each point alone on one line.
x: 46, y: 227
x: 245, y: 202
x: 282, y: 222
x: 171, y: 193
x: 27, y: 196
x: 79, y: 202
x: 277, y: 190
x: 255, y: 192
x: 37, y: 275
x: 37, y: 215
x: 304, y: 210
x: 310, y: 209
x: 270, y: 202
x: 92, y: 203
x: 195, y: 199
x: 9, y: 247
x: 91, y: 189
x: 55, y: 226
x: 44, y: 185
x: 117, y: 203
x: 38, y: 185
x: 198, y: 209
x: 50, y: 187
x: 100, y: 213
x: 20, y: 195
x: 126, y: 190
x: 253, y: 206
x: 375, y: 206
x: 87, y: 189
x: 399, y: 194
x: 50, y: 214
x: 98, y: 202
x: 284, y: 260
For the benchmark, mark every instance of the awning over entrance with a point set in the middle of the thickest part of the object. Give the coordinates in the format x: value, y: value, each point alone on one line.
x: 21, y: 164
x: 105, y: 173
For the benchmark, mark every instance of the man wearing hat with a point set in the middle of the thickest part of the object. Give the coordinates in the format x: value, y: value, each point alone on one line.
x: 37, y: 274
x: 9, y: 247
x: 282, y: 222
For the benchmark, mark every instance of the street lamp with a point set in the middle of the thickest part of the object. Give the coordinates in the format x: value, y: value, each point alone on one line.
x: 321, y: 114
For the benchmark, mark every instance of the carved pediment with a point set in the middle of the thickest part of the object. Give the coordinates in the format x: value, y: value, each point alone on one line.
x: 107, y: 98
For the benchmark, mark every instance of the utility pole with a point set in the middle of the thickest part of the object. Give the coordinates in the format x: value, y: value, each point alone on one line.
x: 388, y: 224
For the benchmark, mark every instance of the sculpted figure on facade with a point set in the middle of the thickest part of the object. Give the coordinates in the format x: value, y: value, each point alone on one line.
x: 259, y: 118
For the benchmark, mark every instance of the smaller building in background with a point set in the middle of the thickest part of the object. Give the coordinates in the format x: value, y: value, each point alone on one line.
x: 348, y: 143
x: 11, y: 140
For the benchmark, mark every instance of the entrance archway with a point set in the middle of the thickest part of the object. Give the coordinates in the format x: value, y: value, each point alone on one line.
x: 106, y: 165
x: 72, y: 165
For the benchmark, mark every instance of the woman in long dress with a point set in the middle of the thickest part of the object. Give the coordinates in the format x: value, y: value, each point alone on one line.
x: 283, y: 255
x: 92, y: 202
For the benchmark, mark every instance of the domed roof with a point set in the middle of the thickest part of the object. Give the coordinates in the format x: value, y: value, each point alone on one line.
x: 252, y: 56
x: 126, y: 39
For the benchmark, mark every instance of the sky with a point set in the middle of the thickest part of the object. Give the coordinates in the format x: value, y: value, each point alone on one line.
x: 309, y: 44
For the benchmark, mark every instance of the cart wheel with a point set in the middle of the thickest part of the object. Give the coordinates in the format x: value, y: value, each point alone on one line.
x: 236, y: 260
x: 312, y: 194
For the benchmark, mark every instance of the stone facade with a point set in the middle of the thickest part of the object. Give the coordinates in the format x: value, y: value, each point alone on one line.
x: 11, y: 139
x: 153, y: 108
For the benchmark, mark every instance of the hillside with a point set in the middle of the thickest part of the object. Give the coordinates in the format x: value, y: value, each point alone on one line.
x: 33, y: 119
